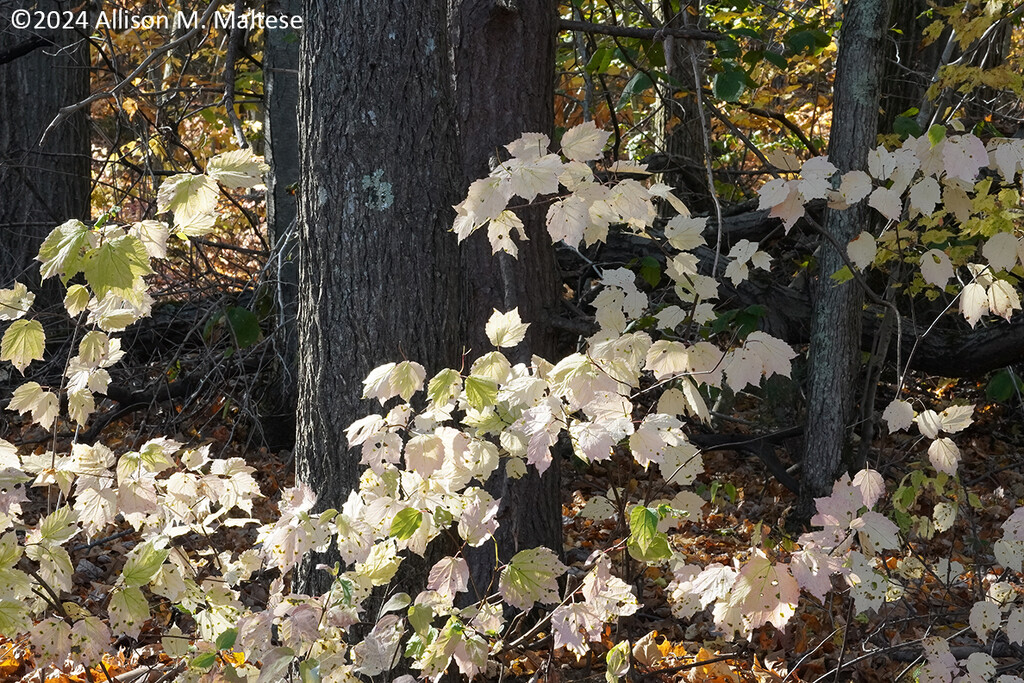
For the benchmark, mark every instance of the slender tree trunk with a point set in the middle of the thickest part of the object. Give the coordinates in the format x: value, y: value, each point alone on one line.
x: 378, y: 268
x: 281, y: 86
x: 681, y: 123
x: 504, y: 55
x: 40, y: 186
x: 834, y: 362
x: 908, y: 66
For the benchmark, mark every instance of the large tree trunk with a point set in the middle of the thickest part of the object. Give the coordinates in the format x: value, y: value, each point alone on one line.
x: 40, y: 186
x: 281, y: 84
x: 378, y: 268
x: 505, y: 68
x: 834, y: 362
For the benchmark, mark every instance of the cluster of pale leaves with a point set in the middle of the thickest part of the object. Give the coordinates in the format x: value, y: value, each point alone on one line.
x: 932, y: 178
x: 427, y: 467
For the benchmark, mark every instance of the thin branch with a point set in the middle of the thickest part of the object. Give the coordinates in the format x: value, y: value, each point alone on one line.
x: 781, y: 118
x: 633, y: 32
x: 22, y: 49
x: 68, y: 111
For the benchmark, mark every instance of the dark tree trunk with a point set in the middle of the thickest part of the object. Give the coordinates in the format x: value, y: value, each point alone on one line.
x: 834, y: 362
x: 684, y: 134
x: 908, y: 66
x: 281, y: 84
x: 40, y: 186
x: 505, y: 68
x: 378, y: 268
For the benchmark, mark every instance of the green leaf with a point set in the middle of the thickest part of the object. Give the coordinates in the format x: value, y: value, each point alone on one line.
x: 617, y: 662
x: 420, y: 617
x: 729, y: 84
x: 645, y: 542
x: 205, y: 660
x: 143, y: 564
x: 634, y: 87
x: 842, y: 275
x: 775, y: 59
x: 23, y: 343
x: 61, y: 251
x: 650, y: 270
x: 115, y: 264
x: 936, y: 134
x: 727, y: 48
x: 245, y: 327
x: 806, y: 41
x: 481, y: 391
x: 906, y: 127
x: 226, y: 640
x: 600, y: 60
x: 406, y: 523
x: 444, y: 386
x: 309, y: 671
x: 1003, y: 386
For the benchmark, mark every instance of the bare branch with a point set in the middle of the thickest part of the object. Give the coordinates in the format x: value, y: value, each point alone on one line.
x: 644, y: 33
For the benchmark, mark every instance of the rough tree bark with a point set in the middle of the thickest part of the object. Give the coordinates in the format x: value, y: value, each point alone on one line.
x: 684, y: 135
x: 40, y: 186
x: 834, y: 357
x: 378, y: 268
x: 280, y: 68
x: 504, y: 60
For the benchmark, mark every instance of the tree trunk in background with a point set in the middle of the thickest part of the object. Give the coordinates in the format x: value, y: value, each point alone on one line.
x: 908, y: 67
x: 281, y: 87
x: 378, y: 267
x: 505, y: 69
x: 40, y: 187
x: 684, y: 135
x: 834, y: 357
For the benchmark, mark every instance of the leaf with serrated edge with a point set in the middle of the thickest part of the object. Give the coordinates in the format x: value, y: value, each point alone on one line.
x: 531, y: 576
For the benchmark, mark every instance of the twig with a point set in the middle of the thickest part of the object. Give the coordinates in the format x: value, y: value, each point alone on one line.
x: 66, y: 112
x: 781, y: 118
x: 633, y: 32
x: 234, y: 43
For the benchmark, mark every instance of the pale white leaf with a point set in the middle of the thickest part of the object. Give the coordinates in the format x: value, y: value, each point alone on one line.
x: 871, y: 485
x: 973, y: 302
x: 943, y: 516
x: 1003, y: 299
x: 449, y: 576
x: 886, y: 202
x: 898, y: 415
x: 567, y: 219
x: 501, y: 230
x: 238, y: 168
x: 862, y: 250
x: 1001, y: 251
x: 531, y: 576
x: 506, y: 330
x: 936, y: 268
x: 686, y: 232
x: 956, y: 418
x: 964, y: 156
x: 15, y: 302
x: 584, y: 142
x: 985, y: 617
x: 529, y: 146
x: 944, y: 455
x: 923, y: 196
